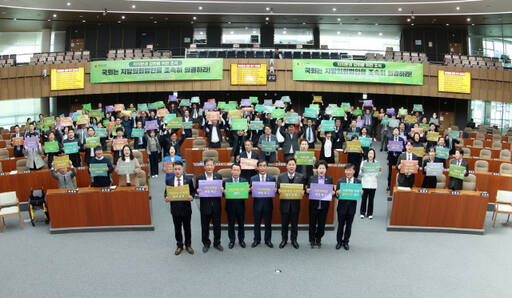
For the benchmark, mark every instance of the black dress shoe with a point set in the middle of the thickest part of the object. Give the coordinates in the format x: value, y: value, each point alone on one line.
x: 318, y: 243
x: 205, y: 249
x: 242, y: 243
x: 295, y: 244
x: 255, y: 243
x: 231, y: 244
x: 313, y: 244
x: 218, y: 247
x: 346, y: 247
x: 283, y: 244
x: 339, y: 245
x: 269, y: 244
x: 381, y: 150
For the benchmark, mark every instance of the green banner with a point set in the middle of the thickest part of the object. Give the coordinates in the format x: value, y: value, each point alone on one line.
x: 156, y: 70
x: 442, y: 152
x: 278, y: 114
x: 92, y: 142
x: 357, y: 71
x: 237, y: 190
x: 371, y: 167
x: 239, y: 124
x: 51, y: 147
x: 98, y: 169
x: 456, y: 171
x: 305, y: 157
x: 137, y: 132
x: 49, y: 121
x: 350, y: 191
x: 70, y: 148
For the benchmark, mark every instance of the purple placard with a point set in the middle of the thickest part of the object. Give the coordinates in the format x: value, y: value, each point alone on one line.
x: 395, y: 146
x: 263, y: 189
x: 31, y: 143
x: 368, y: 103
x: 320, y: 192
x: 172, y: 98
x: 210, y: 188
x: 360, y: 123
x: 390, y: 111
x: 246, y: 102
x: 109, y: 109
x: 209, y: 106
x: 151, y: 125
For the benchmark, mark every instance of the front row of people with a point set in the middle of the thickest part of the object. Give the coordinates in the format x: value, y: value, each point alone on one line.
x: 210, y: 207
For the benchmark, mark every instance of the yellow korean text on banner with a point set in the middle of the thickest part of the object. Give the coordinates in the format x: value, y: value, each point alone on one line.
x: 67, y: 78
x: 454, y: 81
x: 248, y: 74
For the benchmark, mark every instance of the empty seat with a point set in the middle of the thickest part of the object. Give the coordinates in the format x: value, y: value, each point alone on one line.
x: 496, y: 146
x: 212, y: 54
x: 467, y: 152
x: 297, y: 55
x: 485, y: 153
x: 315, y: 55
x: 481, y: 166
x: 506, y: 169
x: 505, y: 155
x: 274, y: 171
x: 213, y: 154
x: 249, y: 54
x: 21, y: 165
x: 269, y: 54
x: 503, y: 205
x: 441, y: 181
x: 306, y: 55
x: 9, y: 206
x: 225, y: 173
x: 478, y: 144
x: 199, y: 143
x: 259, y: 54
x: 469, y: 182
x: 324, y: 55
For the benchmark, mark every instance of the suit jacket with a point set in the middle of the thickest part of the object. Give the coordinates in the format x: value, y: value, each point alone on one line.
x: 402, y: 177
x: 455, y: 183
x: 238, y: 144
x: 259, y: 203
x: 338, y: 186
x: 313, y: 132
x: 338, y: 137
x: 290, y: 206
x: 232, y: 204
x: 181, y: 208
x: 273, y: 155
x: 17, y: 150
x: 290, y: 141
x: 392, y: 155
x: 314, y: 203
x: 450, y: 143
x: 209, y: 205
x: 209, y: 131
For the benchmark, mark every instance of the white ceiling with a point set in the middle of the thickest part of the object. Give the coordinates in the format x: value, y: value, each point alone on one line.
x: 275, y: 8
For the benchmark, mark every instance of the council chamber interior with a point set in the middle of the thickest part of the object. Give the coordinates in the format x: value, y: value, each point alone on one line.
x: 141, y: 139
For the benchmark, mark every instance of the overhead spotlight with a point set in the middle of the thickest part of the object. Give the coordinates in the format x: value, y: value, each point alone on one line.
x: 339, y: 19
x: 134, y: 6
x: 123, y: 17
x: 284, y: 32
x: 266, y: 23
x: 154, y: 22
x: 119, y: 22
x: 83, y: 21
x: 380, y: 33
x: 200, y: 8
x: 191, y: 22
x: 412, y: 24
x: 268, y: 8
x: 408, y: 19
x: 253, y: 31
x: 447, y: 24
x: 14, y: 19
x: 49, y: 20
x: 194, y: 18
x: 68, y: 4
x: 472, y: 24
x: 457, y: 8
x: 54, y: 15
x: 201, y: 33
x: 376, y: 24
x: 246, y: 28
x: 267, y: 18
x: 399, y: 9
x: 468, y: 19
x: 229, y: 22
x: 303, y: 23
x: 334, y: 9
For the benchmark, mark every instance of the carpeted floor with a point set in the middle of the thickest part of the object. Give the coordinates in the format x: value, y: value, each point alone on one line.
x: 34, y: 263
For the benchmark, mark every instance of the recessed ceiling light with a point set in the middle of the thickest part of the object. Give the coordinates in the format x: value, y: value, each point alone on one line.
x: 267, y: 18
x: 83, y: 21
x: 338, y: 32
x: 380, y: 33
x: 457, y: 8
x: 134, y: 6
x: 231, y: 32
x: 194, y: 18
x: 468, y: 19
x: 303, y: 23
x: 201, y: 32
x: 191, y: 22
x: 412, y: 24
x: 119, y: 22
x: 154, y: 22
x: 408, y: 19
x: 472, y: 24
x: 447, y: 24
x: 266, y: 23
x: 284, y: 32
x: 268, y: 8
x: 399, y: 9
x: 246, y: 28
x: 359, y: 33
x: 150, y: 18
x: 284, y: 29
x: 334, y: 9
x: 68, y: 4
x: 339, y: 19
x: 123, y: 17
x: 200, y: 8
x: 54, y: 15
x: 49, y: 20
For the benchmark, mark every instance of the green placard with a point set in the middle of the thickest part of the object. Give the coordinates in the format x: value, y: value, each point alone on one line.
x: 101, y: 132
x: 75, y: 116
x: 230, y: 107
x: 259, y: 108
x: 133, y: 110
x: 269, y: 109
x: 237, y: 190
x: 254, y: 99
x: 424, y: 126
x: 442, y: 152
x: 92, y: 142
x: 188, y: 125
x: 159, y: 104
x: 98, y: 169
x: 142, y: 107
x: 152, y: 106
x: 185, y: 102
x: 221, y: 105
x: 256, y: 125
x: 278, y: 114
x: 454, y: 134
x: 87, y: 107
x: 385, y: 121
x: 350, y: 191
x: 402, y: 112
x: 137, y: 132
x: 239, y: 124
x: 417, y: 108
x: 456, y: 171
x: 365, y: 142
x: 156, y: 70
x: 305, y: 157
x: 51, y: 147
x: 195, y: 99
x: 357, y: 112
x: 233, y: 102
x: 268, y: 146
x: 338, y: 112
x: 292, y: 118
x: 310, y: 113
x: 98, y: 114
x: 371, y: 167
x: 174, y: 123
x: 314, y: 106
x: 49, y: 121
x: 357, y: 71
x: 327, y: 125
x: 70, y: 148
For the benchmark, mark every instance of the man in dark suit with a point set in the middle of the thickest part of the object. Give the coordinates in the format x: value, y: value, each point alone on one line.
x: 210, y: 209
x: 368, y: 121
x: 407, y: 180
x: 239, y: 139
x: 337, y: 135
x: 263, y: 207
x: 269, y: 157
x: 346, y: 209
x: 305, y: 170
x: 17, y: 150
x: 172, y: 140
x: 251, y: 154
x: 101, y: 181
x: 353, y: 127
x: 181, y: 211
x: 318, y: 209
x: 235, y: 209
x: 393, y: 155
x: 290, y: 208
x: 213, y: 134
x: 186, y: 118
x: 309, y: 132
x: 450, y: 142
x: 455, y: 183
x: 291, y: 141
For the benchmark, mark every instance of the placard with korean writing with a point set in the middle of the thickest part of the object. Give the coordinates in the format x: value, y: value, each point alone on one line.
x: 310, y: 113
x: 457, y: 171
x: 291, y: 191
x: 51, y: 147
x: 17, y: 141
x: 70, y: 148
x: 395, y: 146
x: 239, y: 124
x: 350, y: 191
x: 305, y: 157
x: 98, y: 169
x: 237, y: 190
x: 432, y: 136
x: 125, y: 168
x: 210, y: 116
x: 292, y: 118
x: 31, y: 142
x: 264, y: 189
x: 178, y: 193
x: 137, y: 132
x: 210, y: 188
x: 268, y: 146
x: 320, y: 192
x: 434, y: 169
x: 92, y: 142
x: 442, y: 152
x: 248, y: 163
x: 327, y: 125
x: 353, y: 147
x: 119, y: 143
x: 365, y: 141
x: 409, y: 167
x: 61, y: 162
x: 256, y: 125
x: 371, y: 167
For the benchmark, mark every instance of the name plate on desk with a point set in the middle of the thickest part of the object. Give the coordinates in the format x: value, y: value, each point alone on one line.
x: 105, y: 190
x: 471, y: 172
x: 2, y: 174
x: 140, y: 188
x: 454, y: 192
x: 72, y: 191
x: 485, y: 194
x: 495, y: 174
x: 423, y: 190
x: 26, y: 172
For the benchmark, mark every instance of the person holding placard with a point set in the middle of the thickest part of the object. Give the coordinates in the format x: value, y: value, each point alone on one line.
x: 17, y: 142
x: 346, y: 208
x: 430, y: 181
x: 338, y: 135
x: 263, y: 206
x: 396, y: 146
x: 139, y: 142
x: 276, y: 130
x: 305, y: 168
x: 172, y: 140
x: 355, y: 158
x: 450, y: 141
x: 368, y: 121
x: 442, y: 152
x: 431, y: 143
x: 239, y: 138
x: 102, y: 179
x: 309, y: 132
x: 63, y: 176
x: 319, y: 206
x: 52, y: 148
x: 328, y: 146
x: 210, y: 206
x: 33, y: 154
x: 370, y: 171
x: 181, y: 210
x: 456, y: 183
x: 172, y: 158
x: 385, y: 133
x: 353, y: 127
x: 154, y: 151
x: 291, y: 141
x: 132, y: 164
x: 81, y: 133
x: 119, y: 136
x: 88, y: 148
x: 213, y: 134
x: 251, y: 155
x: 186, y: 118
x: 407, y: 179
x: 290, y: 209
x: 127, y: 124
x: 235, y: 208
x: 72, y: 144
x: 268, y: 154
